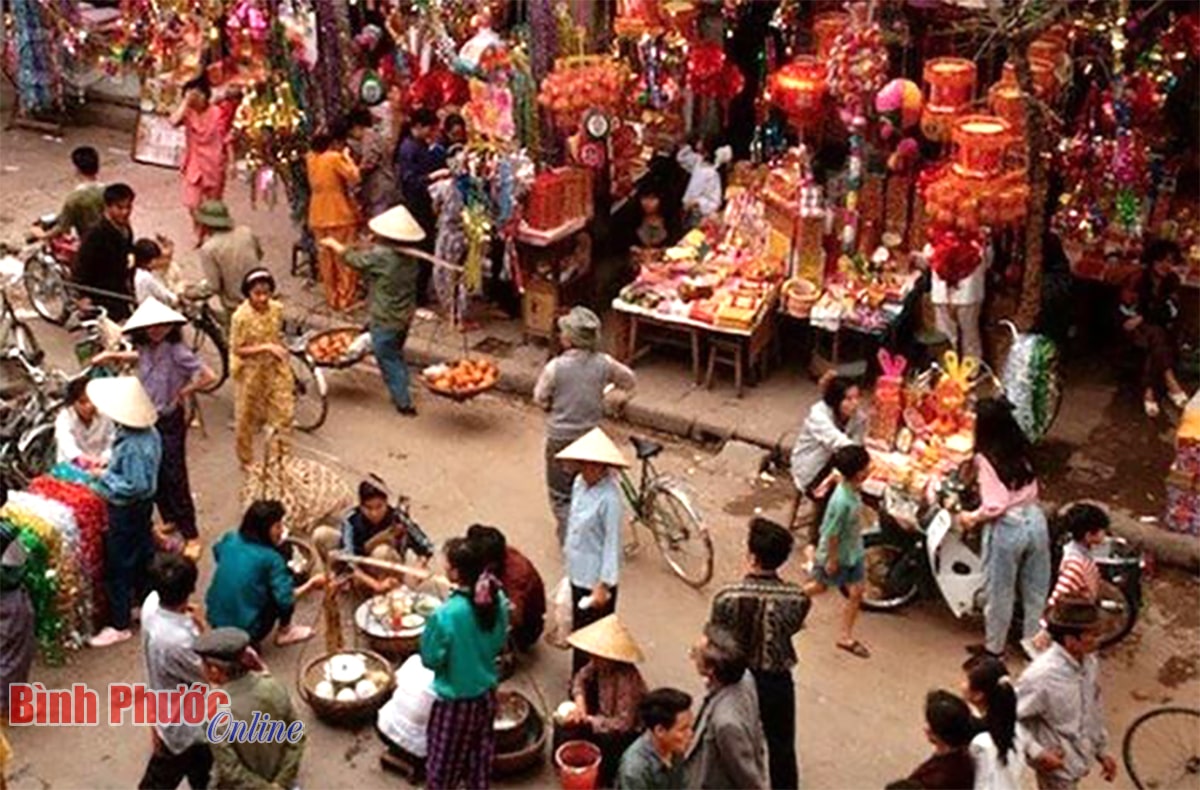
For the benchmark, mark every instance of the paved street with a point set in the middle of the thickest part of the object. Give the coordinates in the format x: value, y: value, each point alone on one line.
x: 859, y: 722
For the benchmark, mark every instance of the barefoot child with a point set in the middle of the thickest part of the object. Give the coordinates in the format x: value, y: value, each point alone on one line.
x: 839, y: 558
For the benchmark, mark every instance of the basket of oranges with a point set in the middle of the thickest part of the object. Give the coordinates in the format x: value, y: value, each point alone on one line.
x: 461, y: 380
x: 340, y: 347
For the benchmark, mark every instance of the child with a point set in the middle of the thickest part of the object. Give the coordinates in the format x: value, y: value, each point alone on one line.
x: 996, y: 750
x: 703, y: 196
x: 84, y: 205
x: 151, y: 263
x: 652, y: 232
x: 1078, y: 575
x: 839, y: 558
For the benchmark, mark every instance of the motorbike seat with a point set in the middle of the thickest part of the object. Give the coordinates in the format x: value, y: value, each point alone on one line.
x: 645, y: 448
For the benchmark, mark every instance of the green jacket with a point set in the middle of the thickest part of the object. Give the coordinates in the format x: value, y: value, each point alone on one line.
x: 393, y: 284
x: 258, y: 766
x: 461, y: 654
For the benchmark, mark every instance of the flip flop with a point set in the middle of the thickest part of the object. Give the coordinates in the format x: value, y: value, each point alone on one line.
x: 299, y: 634
x: 855, y: 648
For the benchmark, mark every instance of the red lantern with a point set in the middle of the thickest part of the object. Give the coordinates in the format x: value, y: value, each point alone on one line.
x: 826, y: 28
x: 1007, y: 101
x: 980, y: 142
x: 706, y: 69
x: 799, y: 90
x: 951, y: 84
x: 1045, y: 81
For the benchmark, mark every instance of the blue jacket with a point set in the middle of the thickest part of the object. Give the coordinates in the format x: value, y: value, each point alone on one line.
x: 132, y: 474
x: 251, y: 584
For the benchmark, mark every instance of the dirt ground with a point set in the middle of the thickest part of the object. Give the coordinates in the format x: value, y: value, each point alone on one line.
x: 859, y: 722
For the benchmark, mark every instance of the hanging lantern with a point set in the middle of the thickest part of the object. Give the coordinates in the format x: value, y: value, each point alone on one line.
x: 826, y: 28
x: 1006, y: 100
x: 980, y: 142
x: 799, y: 90
x: 951, y: 84
x: 1045, y: 80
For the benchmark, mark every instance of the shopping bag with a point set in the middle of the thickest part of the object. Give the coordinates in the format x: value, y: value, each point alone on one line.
x: 562, y: 620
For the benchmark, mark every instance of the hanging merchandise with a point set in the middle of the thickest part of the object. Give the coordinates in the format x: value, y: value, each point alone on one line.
x: 38, y: 72
x: 1030, y: 379
x: 798, y: 89
x: 579, y: 84
x: 951, y: 84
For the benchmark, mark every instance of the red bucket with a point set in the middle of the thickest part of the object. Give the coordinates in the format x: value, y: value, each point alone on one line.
x: 578, y: 764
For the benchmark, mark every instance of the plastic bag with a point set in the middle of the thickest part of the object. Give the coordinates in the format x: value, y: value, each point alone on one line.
x: 561, y: 620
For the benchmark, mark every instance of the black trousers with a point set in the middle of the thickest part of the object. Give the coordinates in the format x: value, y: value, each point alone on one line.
x: 174, y: 496
x: 777, y: 709
x: 587, y: 616
x: 128, y: 550
x: 166, y: 770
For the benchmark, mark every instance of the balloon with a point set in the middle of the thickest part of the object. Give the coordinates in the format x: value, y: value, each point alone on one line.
x: 706, y: 69
x: 900, y: 99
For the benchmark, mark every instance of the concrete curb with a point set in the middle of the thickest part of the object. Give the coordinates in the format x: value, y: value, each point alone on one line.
x: 1179, y: 551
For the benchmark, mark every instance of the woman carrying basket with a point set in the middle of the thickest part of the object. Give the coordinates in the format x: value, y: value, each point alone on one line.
x: 260, y: 364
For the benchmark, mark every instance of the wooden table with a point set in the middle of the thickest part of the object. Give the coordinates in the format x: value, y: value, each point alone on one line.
x: 746, y: 347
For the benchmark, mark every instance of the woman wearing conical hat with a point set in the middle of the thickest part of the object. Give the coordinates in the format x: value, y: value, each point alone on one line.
x: 593, y: 544
x: 170, y: 372
x: 606, y: 691
x: 127, y: 485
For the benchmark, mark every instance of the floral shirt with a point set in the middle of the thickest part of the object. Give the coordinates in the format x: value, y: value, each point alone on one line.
x: 618, y: 689
x: 764, y: 612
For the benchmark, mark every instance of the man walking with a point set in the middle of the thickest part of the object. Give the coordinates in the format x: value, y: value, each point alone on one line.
x: 1058, y: 701
x: 168, y: 634
x: 763, y: 613
x: 392, y: 278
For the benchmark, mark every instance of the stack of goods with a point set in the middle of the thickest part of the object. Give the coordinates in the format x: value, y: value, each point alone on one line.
x: 866, y: 294
x: 559, y: 196
x: 722, y: 280
x: 1183, y: 481
x: 981, y: 187
x: 91, y: 517
x: 936, y: 432
x: 584, y: 83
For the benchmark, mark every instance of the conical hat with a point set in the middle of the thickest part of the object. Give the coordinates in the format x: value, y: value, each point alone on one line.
x: 123, y: 400
x: 593, y: 446
x: 396, y: 224
x: 152, y: 313
x: 607, y: 638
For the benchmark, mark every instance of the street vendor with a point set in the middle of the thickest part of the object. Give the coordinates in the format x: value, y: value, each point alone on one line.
x: 593, y: 544
x: 82, y: 435
x: 605, y: 693
x: 1149, y: 312
x: 833, y: 422
x: 571, y: 387
x: 375, y: 529
x: 703, y: 196
x: 392, y: 277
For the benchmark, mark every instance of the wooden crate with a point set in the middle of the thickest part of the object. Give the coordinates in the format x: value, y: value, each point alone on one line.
x: 539, y: 308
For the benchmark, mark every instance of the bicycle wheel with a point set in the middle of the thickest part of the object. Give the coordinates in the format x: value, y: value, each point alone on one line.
x: 684, y: 542
x: 310, y: 393
x: 36, y: 451
x: 46, y: 289
x: 1162, y: 749
x: 892, y: 579
x: 1117, y: 614
x: 207, y: 341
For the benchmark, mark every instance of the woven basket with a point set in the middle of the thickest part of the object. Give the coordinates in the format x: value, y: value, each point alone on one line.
x: 348, y: 334
x: 799, y: 296
x: 345, y: 713
x: 310, y: 491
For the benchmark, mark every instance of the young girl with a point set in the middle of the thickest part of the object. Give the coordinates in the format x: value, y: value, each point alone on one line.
x: 460, y: 644
x: 151, y: 264
x: 996, y: 751
x: 261, y: 367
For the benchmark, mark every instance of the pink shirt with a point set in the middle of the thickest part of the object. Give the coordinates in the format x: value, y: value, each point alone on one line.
x: 995, y: 498
x: 204, y: 154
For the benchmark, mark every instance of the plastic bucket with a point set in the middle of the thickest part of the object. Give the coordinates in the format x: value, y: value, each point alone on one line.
x: 578, y: 764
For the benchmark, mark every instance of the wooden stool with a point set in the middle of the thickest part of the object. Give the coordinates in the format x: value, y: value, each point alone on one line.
x: 727, y: 352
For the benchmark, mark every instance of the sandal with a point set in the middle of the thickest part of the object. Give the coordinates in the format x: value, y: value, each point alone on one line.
x: 855, y: 648
x: 294, y: 634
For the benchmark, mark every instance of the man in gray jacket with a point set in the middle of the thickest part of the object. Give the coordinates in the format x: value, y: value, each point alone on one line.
x: 728, y: 748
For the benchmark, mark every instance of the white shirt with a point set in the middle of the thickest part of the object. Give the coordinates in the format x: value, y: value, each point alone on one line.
x: 990, y: 773
x: 74, y: 439
x: 819, y: 437
x: 404, y: 718
x: 147, y: 284
x: 1059, y: 706
x: 704, y: 187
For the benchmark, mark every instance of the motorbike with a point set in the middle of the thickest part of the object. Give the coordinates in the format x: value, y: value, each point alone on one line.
x: 920, y: 549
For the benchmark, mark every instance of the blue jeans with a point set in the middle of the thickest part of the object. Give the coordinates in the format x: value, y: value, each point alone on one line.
x: 1016, y: 555
x: 388, y: 345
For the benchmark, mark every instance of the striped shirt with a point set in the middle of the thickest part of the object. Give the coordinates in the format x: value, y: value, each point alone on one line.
x: 1078, y: 575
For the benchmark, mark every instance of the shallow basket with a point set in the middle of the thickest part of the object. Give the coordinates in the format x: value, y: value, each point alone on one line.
x: 530, y: 753
x: 345, y: 713
x: 456, y: 395
x: 346, y: 360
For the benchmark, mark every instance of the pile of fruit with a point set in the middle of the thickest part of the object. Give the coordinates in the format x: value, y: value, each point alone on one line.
x: 338, y: 346
x: 464, y: 378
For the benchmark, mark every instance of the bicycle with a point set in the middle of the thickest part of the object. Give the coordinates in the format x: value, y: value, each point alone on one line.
x: 1161, y: 749
x: 14, y: 331
x: 205, y: 335
x: 664, y: 507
